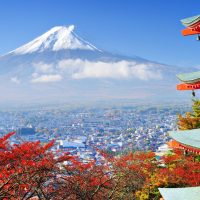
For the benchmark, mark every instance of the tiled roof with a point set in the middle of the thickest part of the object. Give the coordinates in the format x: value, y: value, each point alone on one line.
x: 188, y: 193
x: 187, y: 137
x: 190, y: 20
x: 189, y: 77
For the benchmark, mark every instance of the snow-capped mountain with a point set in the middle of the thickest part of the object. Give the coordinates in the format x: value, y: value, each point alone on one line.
x: 59, y: 66
x: 57, y: 38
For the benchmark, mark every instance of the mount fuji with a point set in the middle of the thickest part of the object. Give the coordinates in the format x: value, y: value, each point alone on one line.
x: 59, y: 66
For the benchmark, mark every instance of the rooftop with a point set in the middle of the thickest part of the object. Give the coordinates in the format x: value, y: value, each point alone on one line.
x: 188, y: 193
x: 190, y: 20
x: 189, y: 77
x: 188, y: 137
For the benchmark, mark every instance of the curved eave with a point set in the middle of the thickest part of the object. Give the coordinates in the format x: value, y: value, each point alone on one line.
x: 190, y: 78
x: 194, y: 26
x: 189, y: 148
x: 189, y: 138
x: 194, y: 29
x: 190, y: 20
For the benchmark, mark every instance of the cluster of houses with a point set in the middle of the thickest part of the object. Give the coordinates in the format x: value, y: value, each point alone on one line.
x: 82, y: 131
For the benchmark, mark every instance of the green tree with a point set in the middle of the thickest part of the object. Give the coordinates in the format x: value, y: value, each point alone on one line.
x: 191, y: 120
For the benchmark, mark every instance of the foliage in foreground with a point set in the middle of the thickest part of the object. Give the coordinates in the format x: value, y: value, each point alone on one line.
x: 191, y: 120
x: 32, y: 170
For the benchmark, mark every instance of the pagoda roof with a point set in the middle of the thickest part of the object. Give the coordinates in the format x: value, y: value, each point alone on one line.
x: 189, y: 77
x: 187, y: 137
x: 187, y: 193
x: 190, y: 20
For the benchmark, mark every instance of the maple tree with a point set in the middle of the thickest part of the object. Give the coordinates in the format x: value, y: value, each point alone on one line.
x: 25, y: 169
x: 132, y: 171
x: 33, y: 171
x: 175, y: 170
x: 30, y: 170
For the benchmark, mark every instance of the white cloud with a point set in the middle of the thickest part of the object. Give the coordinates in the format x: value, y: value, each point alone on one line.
x: 47, y: 78
x: 79, y: 69
x: 15, y: 80
x: 42, y: 67
x: 35, y: 75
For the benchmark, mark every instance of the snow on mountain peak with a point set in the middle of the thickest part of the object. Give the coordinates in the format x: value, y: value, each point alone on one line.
x: 57, y: 38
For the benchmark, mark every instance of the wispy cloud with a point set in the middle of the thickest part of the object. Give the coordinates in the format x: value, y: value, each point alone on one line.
x: 15, y: 80
x: 42, y: 67
x: 47, y: 78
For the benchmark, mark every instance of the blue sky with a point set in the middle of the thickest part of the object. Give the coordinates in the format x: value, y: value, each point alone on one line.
x: 146, y: 28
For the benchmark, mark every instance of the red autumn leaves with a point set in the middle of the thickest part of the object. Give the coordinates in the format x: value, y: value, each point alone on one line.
x: 31, y: 170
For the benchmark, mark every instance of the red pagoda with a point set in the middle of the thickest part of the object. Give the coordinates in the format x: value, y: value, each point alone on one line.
x: 188, y: 140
